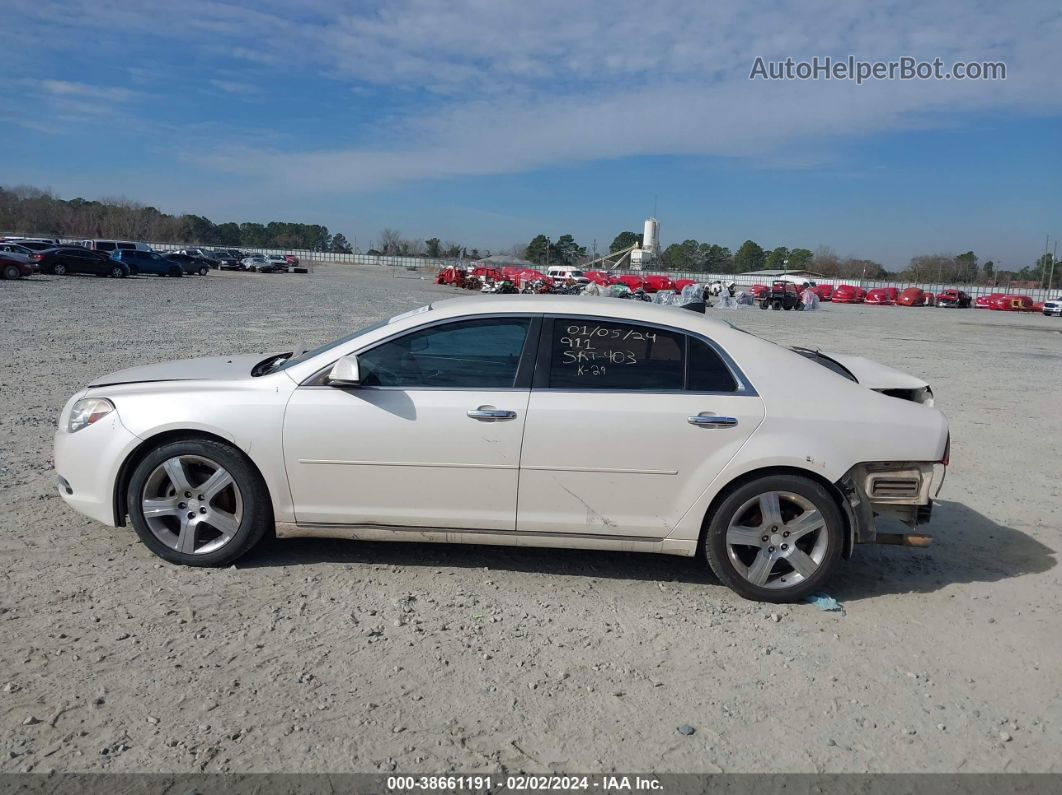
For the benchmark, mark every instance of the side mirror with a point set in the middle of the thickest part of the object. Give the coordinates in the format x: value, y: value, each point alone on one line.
x: 345, y: 372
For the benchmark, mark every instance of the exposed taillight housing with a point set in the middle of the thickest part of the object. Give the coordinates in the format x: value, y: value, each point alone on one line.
x: 36, y: 257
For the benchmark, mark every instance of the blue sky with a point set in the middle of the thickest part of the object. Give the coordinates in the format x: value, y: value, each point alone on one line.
x: 487, y: 122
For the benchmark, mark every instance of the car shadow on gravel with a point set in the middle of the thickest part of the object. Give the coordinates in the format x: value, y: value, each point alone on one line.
x: 968, y: 547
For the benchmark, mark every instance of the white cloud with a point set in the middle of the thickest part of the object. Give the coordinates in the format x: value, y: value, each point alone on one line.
x: 495, y: 87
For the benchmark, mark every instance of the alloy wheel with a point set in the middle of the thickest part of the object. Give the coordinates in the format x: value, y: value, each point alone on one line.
x: 777, y: 540
x: 192, y: 504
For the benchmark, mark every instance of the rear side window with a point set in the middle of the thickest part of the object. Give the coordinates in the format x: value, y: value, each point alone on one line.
x: 590, y: 354
x: 104, y: 245
x: 127, y: 246
x: 707, y: 371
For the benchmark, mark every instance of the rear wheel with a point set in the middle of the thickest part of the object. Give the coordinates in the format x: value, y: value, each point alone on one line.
x: 198, y: 502
x: 118, y: 272
x: 59, y: 269
x: 775, y: 539
x: 175, y: 271
x: 776, y: 305
x: 204, y: 270
x: 12, y: 272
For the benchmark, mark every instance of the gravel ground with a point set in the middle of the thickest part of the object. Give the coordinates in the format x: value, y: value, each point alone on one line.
x: 342, y: 656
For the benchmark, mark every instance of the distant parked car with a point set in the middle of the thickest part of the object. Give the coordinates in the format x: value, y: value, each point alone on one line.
x: 912, y: 296
x: 13, y: 266
x: 1053, y: 306
x: 203, y: 254
x: 879, y: 296
x: 279, y: 262
x: 847, y: 294
x: 953, y: 299
x: 985, y: 301
x: 107, y: 246
x: 256, y: 262
x: 292, y: 259
x: 34, y: 245
x: 655, y: 283
x: 48, y: 242
x: 1012, y: 303
x: 190, y: 264
x: 16, y: 251
x: 148, y: 262
x: 823, y: 291
x: 75, y: 259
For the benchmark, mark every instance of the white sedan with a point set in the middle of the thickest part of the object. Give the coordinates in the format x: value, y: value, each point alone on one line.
x: 583, y: 423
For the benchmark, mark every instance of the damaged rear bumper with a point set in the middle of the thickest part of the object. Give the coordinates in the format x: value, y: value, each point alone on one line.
x: 900, y: 490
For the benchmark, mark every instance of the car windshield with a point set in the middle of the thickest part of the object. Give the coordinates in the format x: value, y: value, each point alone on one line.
x: 307, y: 355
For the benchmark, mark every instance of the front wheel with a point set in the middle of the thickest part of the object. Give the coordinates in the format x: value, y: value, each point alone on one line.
x: 12, y: 272
x: 775, y: 539
x: 198, y: 503
x: 118, y: 272
x: 204, y: 270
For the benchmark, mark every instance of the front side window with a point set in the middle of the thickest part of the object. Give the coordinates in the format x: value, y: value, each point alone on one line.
x: 469, y: 354
x: 592, y: 354
x: 104, y: 245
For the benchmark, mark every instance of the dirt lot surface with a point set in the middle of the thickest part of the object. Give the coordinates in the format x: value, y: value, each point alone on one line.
x: 343, y: 656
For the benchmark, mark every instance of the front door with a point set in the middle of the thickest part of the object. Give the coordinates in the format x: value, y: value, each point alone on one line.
x: 430, y: 439
x: 622, y: 437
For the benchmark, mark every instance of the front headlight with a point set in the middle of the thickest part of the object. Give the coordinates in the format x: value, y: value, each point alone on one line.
x: 87, y: 411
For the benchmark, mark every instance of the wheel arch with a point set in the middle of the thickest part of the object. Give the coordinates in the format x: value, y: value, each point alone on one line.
x: 745, y: 477
x: 125, y: 471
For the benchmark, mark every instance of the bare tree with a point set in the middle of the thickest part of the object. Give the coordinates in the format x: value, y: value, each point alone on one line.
x: 390, y: 241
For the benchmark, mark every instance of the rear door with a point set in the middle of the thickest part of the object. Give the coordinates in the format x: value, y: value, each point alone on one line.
x: 627, y: 424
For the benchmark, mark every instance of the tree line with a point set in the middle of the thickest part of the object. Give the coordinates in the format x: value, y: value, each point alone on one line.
x: 32, y: 211
x: 29, y: 210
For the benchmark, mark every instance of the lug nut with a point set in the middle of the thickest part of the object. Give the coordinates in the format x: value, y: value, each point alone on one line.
x: 200, y: 498
x: 188, y: 494
x: 770, y: 549
x: 191, y: 515
x: 202, y: 510
x: 784, y: 535
x: 182, y: 505
x: 785, y: 546
x: 764, y: 539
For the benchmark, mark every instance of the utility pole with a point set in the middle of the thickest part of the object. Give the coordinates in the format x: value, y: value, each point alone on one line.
x: 1043, y: 270
x: 1054, y: 259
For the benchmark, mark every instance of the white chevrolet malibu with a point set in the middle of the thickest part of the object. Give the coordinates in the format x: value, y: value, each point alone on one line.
x: 520, y: 420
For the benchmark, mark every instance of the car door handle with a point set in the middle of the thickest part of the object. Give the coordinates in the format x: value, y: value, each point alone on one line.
x: 490, y: 415
x: 712, y: 421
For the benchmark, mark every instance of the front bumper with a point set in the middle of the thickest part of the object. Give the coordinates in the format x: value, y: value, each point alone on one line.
x: 87, y: 464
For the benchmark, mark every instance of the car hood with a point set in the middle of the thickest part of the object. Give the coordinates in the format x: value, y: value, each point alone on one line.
x: 207, y: 368
x: 875, y: 375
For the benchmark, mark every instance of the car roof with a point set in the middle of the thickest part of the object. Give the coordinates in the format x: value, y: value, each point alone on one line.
x: 601, y: 306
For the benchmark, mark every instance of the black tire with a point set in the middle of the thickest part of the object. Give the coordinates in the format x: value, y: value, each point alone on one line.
x: 799, y: 306
x: 59, y: 269
x: 257, y: 517
x: 763, y: 304
x: 118, y: 272
x: 776, y: 305
x: 204, y: 270
x: 175, y: 272
x: 12, y: 272
x: 716, y: 548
